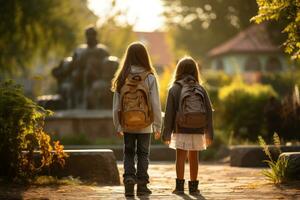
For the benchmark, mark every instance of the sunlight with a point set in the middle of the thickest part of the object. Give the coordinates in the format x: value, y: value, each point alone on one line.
x: 143, y: 15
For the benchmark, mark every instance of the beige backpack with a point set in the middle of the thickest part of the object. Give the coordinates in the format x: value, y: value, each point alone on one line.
x: 192, y: 111
x: 136, y: 112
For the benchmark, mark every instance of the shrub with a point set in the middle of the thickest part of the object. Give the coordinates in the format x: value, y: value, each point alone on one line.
x: 218, y: 149
x: 164, y: 83
x: 21, y: 134
x: 241, y: 108
x: 216, y: 79
x: 283, y: 83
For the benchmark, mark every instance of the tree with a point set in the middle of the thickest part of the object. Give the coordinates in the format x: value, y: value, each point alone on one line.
x: 114, y: 35
x: 199, y: 26
x: 287, y: 12
x: 34, y: 28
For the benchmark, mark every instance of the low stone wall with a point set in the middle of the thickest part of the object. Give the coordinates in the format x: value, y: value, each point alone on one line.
x: 293, y: 164
x: 253, y: 155
x: 93, y: 165
x: 157, y: 152
x: 92, y: 123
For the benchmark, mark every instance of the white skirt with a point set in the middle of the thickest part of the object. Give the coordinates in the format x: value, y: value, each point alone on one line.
x: 189, y: 142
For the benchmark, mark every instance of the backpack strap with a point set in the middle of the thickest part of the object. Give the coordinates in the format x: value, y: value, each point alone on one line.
x: 145, y: 74
x: 137, y: 77
x: 185, y: 80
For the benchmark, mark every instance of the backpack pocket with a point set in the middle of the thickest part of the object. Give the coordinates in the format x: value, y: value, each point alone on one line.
x: 191, y: 120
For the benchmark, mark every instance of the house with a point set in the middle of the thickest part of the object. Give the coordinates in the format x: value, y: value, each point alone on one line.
x: 158, y: 47
x: 251, y: 52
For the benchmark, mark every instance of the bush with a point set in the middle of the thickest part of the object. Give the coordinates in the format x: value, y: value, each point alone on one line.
x: 283, y: 83
x: 213, y: 81
x: 21, y: 134
x: 242, y: 108
x: 164, y: 83
x: 219, y: 148
x: 216, y: 79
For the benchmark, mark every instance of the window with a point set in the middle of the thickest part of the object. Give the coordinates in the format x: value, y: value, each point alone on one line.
x: 252, y: 64
x: 273, y: 64
x: 219, y: 65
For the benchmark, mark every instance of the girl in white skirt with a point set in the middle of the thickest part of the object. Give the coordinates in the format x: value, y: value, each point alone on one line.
x: 187, y: 141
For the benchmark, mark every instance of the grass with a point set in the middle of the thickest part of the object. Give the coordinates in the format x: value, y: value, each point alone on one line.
x: 278, y: 169
x: 50, y: 180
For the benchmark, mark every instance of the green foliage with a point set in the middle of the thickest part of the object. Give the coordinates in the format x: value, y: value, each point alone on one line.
x: 35, y: 27
x: 278, y: 172
x: 197, y: 26
x: 213, y: 82
x: 115, y: 36
x: 216, y: 150
x: 283, y: 83
x: 164, y: 84
x: 217, y: 79
x: 50, y: 180
x: 21, y: 134
x: 284, y: 11
x: 241, y: 108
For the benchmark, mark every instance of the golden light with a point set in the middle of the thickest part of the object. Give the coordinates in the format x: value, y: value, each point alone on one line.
x: 144, y: 15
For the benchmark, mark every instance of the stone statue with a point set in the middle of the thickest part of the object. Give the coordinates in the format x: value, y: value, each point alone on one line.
x: 84, y: 79
x: 64, y: 81
x: 99, y: 95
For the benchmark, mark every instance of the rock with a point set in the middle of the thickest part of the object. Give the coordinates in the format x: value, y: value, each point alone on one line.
x: 253, y: 155
x: 293, y: 164
x: 223, y: 152
x: 93, y: 165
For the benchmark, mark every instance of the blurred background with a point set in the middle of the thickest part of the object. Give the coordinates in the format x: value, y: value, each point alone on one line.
x: 251, y: 70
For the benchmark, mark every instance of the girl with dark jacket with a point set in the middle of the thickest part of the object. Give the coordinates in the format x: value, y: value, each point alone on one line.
x: 186, y: 141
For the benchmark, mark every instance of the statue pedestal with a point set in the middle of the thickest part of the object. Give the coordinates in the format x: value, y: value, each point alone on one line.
x: 92, y: 123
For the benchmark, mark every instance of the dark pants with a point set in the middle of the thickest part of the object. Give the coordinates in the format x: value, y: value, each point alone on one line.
x: 136, y: 144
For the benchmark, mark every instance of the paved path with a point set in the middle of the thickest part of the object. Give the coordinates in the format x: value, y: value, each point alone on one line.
x: 217, y: 182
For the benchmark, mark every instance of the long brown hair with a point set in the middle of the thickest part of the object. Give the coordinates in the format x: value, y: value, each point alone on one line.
x: 136, y: 54
x: 186, y: 66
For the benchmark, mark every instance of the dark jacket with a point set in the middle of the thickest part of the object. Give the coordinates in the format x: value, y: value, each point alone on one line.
x: 172, y: 105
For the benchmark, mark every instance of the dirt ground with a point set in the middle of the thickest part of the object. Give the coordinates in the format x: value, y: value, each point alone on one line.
x: 217, y: 181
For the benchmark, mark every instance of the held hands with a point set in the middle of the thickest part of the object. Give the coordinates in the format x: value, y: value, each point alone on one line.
x: 157, y: 135
x: 208, y: 141
x: 120, y: 134
x: 167, y: 142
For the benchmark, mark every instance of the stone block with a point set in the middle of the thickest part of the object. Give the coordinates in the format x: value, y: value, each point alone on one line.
x: 93, y: 165
x: 293, y: 164
x: 253, y: 155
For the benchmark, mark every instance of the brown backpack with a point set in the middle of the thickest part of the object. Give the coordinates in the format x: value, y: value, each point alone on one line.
x: 136, y: 112
x: 192, y: 111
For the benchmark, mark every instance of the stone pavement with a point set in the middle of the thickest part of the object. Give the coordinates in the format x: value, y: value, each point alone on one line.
x: 217, y: 181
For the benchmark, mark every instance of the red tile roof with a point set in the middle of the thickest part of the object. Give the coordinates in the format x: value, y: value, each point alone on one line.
x: 158, y: 47
x: 253, y: 39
